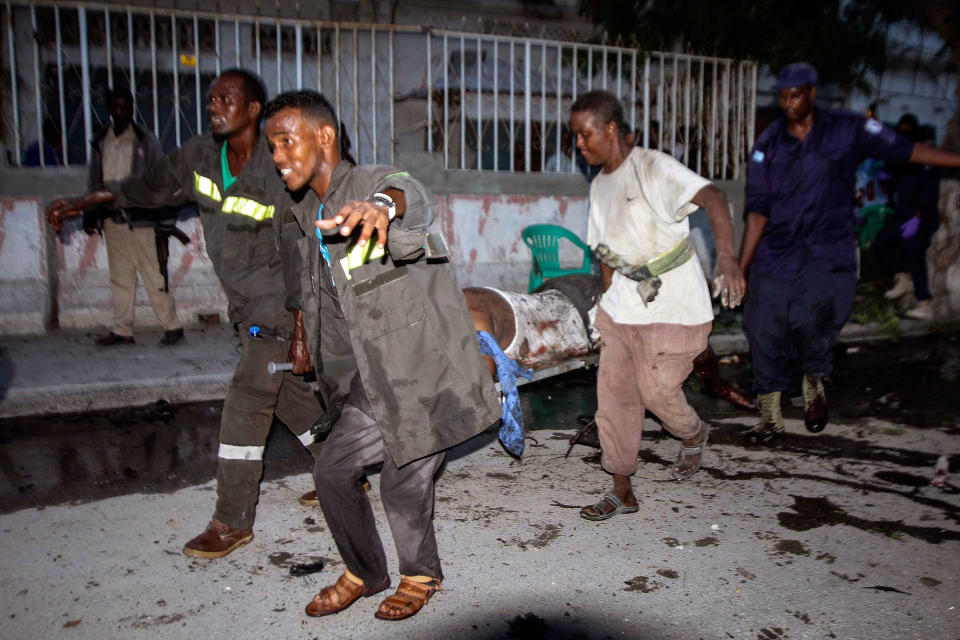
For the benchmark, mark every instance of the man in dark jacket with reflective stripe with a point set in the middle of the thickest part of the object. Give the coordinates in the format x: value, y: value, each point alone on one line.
x: 229, y: 175
x: 389, y: 333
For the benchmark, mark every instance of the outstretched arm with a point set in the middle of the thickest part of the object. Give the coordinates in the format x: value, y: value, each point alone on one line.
x: 925, y: 154
x: 60, y: 209
x: 368, y: 215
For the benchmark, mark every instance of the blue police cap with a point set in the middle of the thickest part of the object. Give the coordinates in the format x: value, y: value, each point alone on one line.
x: 798, y: 74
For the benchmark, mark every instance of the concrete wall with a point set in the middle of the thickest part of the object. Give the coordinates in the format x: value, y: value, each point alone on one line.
x: 49, y: 280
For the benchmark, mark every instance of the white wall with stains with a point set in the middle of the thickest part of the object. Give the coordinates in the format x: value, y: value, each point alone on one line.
x: 50, y: 280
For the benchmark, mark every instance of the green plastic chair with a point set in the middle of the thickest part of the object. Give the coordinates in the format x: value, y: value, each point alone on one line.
x: 544, y: 242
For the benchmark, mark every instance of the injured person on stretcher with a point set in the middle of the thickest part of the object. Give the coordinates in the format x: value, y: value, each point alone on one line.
x: 553, y: 325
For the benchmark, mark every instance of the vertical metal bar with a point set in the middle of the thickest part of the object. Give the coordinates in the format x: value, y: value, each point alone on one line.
x: 393, y: 135
x: 619, y: 72
x: 701, y: 117
x: 646, y: 102
x: 526, y: 106
x: 356, y: 96
x: 463, y: 105
x: 108, y: 45
x: 479, y: 104
x: 320, y: 59
x: 496, y: 103
x: 153, y: 73
x: 589, y: 68
x: 559, y: 143
x: 726, y: 118
x: 298, y: 51
x: 633, y: 92
x: 15, y: 88
x: 686, y: 114
x: 85, y: 81
x: 38, y: 108
x: 446, y: 102
x: 573, y: 94
x: 336, y: 72
x: 674, y: 111
x: 662, y: 130
x: 373, y: 90
x: 175, y: 68
x: 543, y: 104
x: 256, y: 37
x: 429, y: 96
x: 216, y: 45
x: 712, y: 139
x: 279, y: 58
x: 132, y: 61
x: 236, y: 42
x: 196, y: 72
x: 603, y: 68
x: 738, y: 122
x: 63, y: 109
x: 512, y: 132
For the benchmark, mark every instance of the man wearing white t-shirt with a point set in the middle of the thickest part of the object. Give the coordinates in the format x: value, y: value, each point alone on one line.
x: 655, y: 314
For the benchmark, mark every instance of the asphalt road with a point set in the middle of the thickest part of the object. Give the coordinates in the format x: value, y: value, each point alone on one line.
x: 835, y: 535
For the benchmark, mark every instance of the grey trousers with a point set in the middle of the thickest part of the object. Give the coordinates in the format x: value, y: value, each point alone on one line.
x: 407, y: 494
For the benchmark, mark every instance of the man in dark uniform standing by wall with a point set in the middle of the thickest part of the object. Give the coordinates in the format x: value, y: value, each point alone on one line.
x: 799, y: 244
x: 229, y: 175
x: 388, y: 329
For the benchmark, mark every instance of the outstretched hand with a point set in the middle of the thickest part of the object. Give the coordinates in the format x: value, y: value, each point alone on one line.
x: 60, y: 209
x: 728, y: 282
x: 369, y: 216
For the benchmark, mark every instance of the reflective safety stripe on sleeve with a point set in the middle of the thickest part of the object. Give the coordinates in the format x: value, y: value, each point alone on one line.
x: 235, y: 452
x: 206, y: 187
x: 248, y: 207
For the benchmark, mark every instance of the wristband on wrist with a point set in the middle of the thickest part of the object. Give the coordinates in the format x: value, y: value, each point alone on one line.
x: 386, y: 201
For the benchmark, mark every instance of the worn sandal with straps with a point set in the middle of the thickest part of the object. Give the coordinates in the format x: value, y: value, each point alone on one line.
x: 341, y: 595
x: 691, y: 451
x: 408, y: 599
x: 599, y: 513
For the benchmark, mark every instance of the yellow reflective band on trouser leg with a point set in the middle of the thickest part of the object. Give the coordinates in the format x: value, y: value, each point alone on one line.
x: 247, y: 207
x: 358, y: 256
x: 236, y: 452
x: 206, y: 187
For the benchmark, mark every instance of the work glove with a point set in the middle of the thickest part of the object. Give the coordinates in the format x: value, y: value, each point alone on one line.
x: 909, y: 228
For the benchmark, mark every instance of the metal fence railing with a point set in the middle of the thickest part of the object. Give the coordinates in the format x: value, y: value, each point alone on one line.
x: 481, y: 101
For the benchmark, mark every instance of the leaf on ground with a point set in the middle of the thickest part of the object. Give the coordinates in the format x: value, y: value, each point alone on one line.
x: 746, y: 574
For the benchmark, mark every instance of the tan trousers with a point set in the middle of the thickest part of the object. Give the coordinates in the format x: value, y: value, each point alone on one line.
x: 643, y: 367
x: 130, y: 251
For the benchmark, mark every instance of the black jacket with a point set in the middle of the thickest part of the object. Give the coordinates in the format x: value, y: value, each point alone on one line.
x: 146, y: 153
x: 237, y: 222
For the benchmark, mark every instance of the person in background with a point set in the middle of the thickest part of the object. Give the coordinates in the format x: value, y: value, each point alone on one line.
x: 124, y: 148
x: 903, y: 242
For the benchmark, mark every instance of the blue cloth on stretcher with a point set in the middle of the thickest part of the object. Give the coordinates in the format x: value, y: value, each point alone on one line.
x: 511, y: 422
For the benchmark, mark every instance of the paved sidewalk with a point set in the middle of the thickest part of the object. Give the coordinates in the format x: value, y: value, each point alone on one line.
x: 64, y: 372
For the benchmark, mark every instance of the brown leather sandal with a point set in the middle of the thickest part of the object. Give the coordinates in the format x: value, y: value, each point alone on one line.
x: 408, y: 599
x: 341, y: 595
